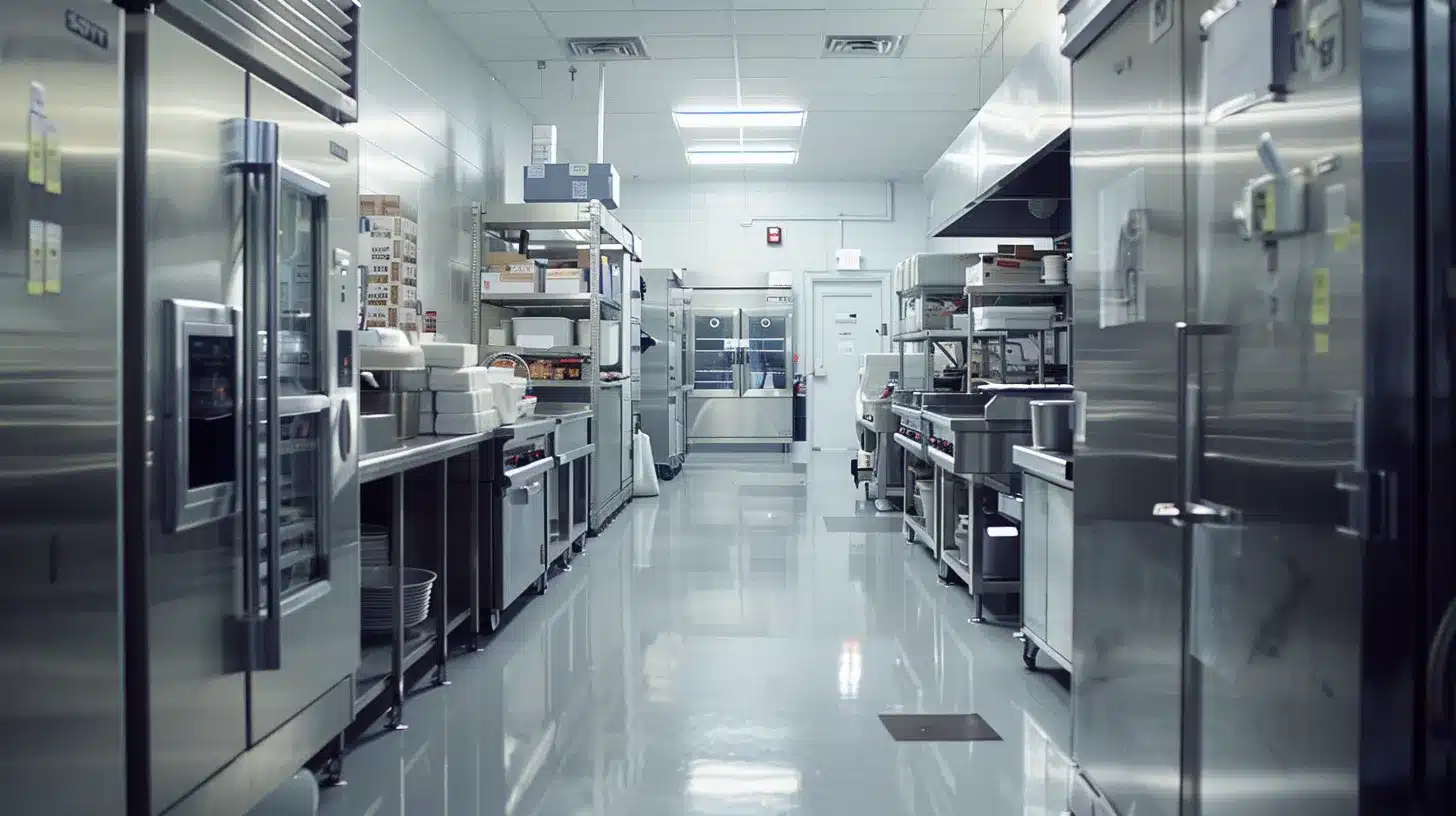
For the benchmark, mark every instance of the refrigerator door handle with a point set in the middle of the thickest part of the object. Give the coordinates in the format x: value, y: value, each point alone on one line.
x: 1189, y: 418
x: 252, y: 152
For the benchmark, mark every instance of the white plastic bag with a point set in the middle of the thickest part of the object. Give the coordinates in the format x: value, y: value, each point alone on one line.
x: 644, y: 467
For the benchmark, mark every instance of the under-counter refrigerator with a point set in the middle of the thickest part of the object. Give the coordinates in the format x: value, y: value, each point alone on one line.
x: 197, y: 185
x: 742, y: 356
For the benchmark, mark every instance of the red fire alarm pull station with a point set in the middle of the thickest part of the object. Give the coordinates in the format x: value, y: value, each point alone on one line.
x: 775, y: 236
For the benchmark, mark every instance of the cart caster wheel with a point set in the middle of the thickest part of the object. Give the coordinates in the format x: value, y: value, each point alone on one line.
x: 1028, y: 654
x: 567, y: 556
x: 942, y: 571
x: 665, y: 473
x: 493, y: 621
x: 331, y: 775
x: 541, y: 585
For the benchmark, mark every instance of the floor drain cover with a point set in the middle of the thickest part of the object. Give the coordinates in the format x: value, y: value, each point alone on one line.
x: 938, y: 728
x: 864, y: 524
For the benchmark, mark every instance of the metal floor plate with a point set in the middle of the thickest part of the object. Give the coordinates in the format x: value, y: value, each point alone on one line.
x: 892, y: 523
x: 938, y: 728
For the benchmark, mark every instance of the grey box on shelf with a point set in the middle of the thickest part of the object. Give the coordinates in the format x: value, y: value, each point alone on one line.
x: 572, y: 181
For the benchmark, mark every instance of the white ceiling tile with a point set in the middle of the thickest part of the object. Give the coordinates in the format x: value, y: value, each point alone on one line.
x: 871, y: 22
x: 514, y: 48
x: 959, y: 20
x: 580, y: 5
x: 779, y: 22
x: 499, y: 25
x: 966, y: 67
x: 875, y: 5
x: 635, y: 23
x: 674, y: 5
x: 779, y: 46
x: 481, y: 5
x: 676, y: 47
x: 794, y: 5
x: 940, y: 46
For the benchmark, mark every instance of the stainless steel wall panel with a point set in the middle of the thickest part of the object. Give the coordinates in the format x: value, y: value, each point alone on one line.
x: 60, y: 541
x: 194, y: 229
x: 1127, y: 130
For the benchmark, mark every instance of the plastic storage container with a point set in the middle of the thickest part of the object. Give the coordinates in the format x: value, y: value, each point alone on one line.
x: 611, y: 339
x: 542, y: 332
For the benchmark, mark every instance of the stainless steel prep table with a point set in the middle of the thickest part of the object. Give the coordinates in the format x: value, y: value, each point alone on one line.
x: 455, y: 522
x: 1047, y: 555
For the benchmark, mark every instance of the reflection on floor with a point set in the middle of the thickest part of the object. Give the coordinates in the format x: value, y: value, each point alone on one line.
x: 718, y: 651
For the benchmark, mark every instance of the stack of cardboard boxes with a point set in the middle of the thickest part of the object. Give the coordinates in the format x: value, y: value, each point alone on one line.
x: 388, y: 247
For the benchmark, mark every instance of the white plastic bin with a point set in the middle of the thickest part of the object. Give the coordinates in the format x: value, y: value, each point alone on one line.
x: 541, y: 332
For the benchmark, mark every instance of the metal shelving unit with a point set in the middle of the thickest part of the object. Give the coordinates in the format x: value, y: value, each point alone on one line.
x: 929, y: 339
x: 559, y: 229
x: 989, y: 345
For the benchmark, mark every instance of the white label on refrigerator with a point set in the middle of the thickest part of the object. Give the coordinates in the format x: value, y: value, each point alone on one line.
x: 578, y: 169
x: 53, y: 258
x: 535, y: 171
x: 35, y: 271
x: 579, y: 190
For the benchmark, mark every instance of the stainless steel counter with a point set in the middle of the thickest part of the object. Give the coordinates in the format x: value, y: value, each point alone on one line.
x: 1054, y: 466
x: 420, y: 450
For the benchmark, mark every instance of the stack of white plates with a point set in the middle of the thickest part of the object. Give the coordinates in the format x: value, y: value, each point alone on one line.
x: 377, y: 598
x: 373, y: 545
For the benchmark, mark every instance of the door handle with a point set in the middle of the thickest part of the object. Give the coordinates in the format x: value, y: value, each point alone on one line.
x: 1185, y: 510
x: 252, y: 152
x: 1439, y: 712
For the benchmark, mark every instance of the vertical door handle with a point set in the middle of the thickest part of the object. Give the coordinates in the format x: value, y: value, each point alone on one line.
x: 1439, y: 713
x: 1185, y: 509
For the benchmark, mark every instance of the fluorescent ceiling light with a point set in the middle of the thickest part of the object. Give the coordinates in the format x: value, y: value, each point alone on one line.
x: 742, y: 157
x: 739, y: 119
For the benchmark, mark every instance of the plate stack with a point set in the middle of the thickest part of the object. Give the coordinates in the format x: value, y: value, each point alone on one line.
x: 377, y: 597
x: 373, y: 545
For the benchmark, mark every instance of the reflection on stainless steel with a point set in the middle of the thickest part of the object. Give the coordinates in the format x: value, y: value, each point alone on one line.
x: 742, y: 354
x: 712, y: 656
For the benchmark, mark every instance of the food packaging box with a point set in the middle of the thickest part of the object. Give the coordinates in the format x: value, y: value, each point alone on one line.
x: 566, y: 281
x: 463, y: 402
x: 472, y: 378
x: 505, y: 259
x: 395, y: 317
x: 451, y: 355
x: 1011, y: 318
x: 512, y: 279
x: 390, y: 226
x: 391, y: 294
x: 386, y: 246
x: 385, y: 205
x: 461, y: 424
x: 392, y: 272
x: 572, y: 181
x: 937, y: 269
x: 999, y: 269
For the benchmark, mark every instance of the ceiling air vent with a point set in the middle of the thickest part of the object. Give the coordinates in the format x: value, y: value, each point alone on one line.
x: 606, y: 48
x: 875, y: 45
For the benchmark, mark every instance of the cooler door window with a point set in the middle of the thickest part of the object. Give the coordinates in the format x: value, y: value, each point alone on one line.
x: 715, y: 349
x: 301, y: 475
x: 301, y: 220
x: 767, y: 340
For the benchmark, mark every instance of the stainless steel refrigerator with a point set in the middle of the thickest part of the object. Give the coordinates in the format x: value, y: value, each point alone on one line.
x: 742, y: 344
x: 185, y: 215
x: 1264, y: 572
x: 663, y: 405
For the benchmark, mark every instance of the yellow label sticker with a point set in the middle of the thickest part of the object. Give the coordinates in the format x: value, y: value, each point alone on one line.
x: 1268, y: 223
x: 35, y: 150
x: 52, y: 159
x: 35, y: 271
x: 1321, y: 342
x: 1319, y: 302
x: 1354, y: 230
x: 1340, y: 238
x: 53, y: 258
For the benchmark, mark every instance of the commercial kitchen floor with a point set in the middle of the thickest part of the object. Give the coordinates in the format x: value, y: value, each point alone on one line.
x: 727, y: 648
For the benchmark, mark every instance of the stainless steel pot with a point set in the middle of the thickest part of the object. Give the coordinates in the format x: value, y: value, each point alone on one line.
x: 389, y: 398
x: 1052, y: 424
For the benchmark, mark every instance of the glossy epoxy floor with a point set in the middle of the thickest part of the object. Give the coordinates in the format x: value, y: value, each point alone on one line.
x: 718, y: 651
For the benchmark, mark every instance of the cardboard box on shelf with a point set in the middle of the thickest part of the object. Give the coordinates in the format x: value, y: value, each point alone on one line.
x: 1000, y: 269
x: 381, y: 205
x: 396, y: 317
x: 566, y: 280
x: 376, y: 246
x: 390, y: 226
x: 505, y: 259
x: 392, y: 272
x: 391, y: 294
x: 510, y: 279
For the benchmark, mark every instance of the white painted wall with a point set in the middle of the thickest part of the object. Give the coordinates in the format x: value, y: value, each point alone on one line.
x: 437, y: 129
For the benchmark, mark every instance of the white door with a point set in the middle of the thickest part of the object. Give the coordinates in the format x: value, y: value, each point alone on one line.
x: 847, y: 318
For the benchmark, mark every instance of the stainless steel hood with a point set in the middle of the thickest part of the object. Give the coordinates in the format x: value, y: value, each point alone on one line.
x: 1016, y: 149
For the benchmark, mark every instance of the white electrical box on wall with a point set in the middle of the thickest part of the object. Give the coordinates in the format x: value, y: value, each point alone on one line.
x: 848, y: 260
